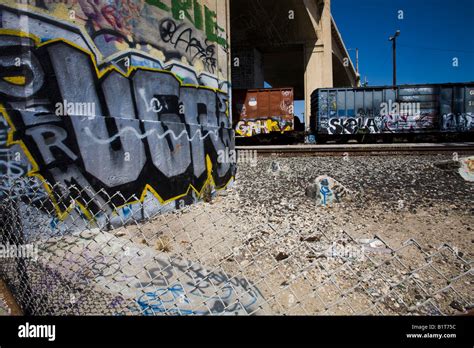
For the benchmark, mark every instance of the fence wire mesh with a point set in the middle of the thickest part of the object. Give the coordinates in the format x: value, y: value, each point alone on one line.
x: 201, y: 261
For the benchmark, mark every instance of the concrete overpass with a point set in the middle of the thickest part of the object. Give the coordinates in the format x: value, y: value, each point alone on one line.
x: 288, y: 43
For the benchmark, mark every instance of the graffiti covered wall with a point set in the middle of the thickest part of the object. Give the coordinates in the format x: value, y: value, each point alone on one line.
x: 122, y: 100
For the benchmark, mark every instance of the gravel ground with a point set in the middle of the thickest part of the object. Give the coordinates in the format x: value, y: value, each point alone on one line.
x: 401, y: 243
x: 398, y: 198
x: 413, y: 216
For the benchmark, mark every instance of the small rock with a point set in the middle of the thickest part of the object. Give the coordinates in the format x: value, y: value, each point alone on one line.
x: 312, y: 191
x: 311, y: 239
x: 457, y: 306
x: 275, y: 166
x: 281, y: 256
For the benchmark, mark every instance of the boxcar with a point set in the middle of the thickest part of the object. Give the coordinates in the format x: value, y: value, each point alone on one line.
x: 262, y: 111
x: 377, y: 112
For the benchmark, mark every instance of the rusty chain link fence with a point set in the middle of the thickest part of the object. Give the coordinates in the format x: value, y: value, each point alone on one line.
x: 199, y: 261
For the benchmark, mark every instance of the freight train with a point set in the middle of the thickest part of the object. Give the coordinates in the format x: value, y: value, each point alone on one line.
x: 264, y: 115
x: 371, y: 114
x: 382, y: 113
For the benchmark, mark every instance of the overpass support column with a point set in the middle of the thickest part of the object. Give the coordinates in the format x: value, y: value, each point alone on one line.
x: 318, y: 55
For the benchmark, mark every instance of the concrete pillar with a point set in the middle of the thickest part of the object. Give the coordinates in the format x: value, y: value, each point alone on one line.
x: 249, y: 73
x: 318, y: 54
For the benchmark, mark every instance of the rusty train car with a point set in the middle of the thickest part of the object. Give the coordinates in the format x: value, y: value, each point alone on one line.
x: 260, y: 113
x: 407, y: 111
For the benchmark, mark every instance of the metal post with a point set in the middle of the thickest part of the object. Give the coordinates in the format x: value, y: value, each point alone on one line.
x: 394, y: 49
x: 357, y: 61
x: 394, y: 52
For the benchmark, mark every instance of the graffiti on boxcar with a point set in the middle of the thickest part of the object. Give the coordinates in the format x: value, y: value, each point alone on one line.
x: 248, y: 128
x: 353, y: 125
x: 397, y: 122
x: 379, y: 124
x: 405, y: 109
x: 461, y: 122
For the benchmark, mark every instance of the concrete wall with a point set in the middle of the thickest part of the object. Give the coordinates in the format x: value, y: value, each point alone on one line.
x: 115, y: 96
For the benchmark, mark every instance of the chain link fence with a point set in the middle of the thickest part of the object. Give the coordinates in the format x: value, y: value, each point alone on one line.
x: 199, y: 261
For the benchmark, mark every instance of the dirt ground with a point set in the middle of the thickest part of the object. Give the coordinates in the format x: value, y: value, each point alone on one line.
x: 8, y: 305
x: 401, y: 243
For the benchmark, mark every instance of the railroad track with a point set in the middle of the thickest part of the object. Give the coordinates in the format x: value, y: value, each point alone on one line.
x: 466, y: 148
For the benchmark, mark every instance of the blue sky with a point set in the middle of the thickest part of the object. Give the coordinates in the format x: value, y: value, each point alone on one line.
x: 433, y: 32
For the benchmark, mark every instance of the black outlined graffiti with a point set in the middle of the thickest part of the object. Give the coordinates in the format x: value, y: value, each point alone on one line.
x: 124, y: 146
x: 215, y: 289
x: 378, y: 124
x: 182, y: 37
x: 461, y: 122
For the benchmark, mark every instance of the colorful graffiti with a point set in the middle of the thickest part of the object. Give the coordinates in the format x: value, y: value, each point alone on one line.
x: 183, y: 31
x: 405, y: 109
x: 92, y: 122
x: 170, y: 285
x: 216, y: 290
x: 467, y: 168
x: 248, y: 128
x: 263, y: 111
x: 330, y: 191
x: 398, y: 122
